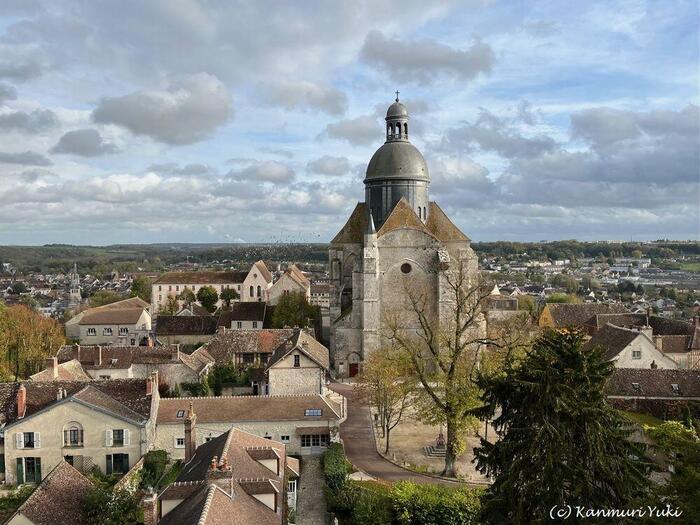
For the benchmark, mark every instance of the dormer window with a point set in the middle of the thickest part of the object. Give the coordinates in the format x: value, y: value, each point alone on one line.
x: 180, y: 414
x: 313, y: 412
x: 636, y: 386
x: 674, y: 386
x: 114, y: 360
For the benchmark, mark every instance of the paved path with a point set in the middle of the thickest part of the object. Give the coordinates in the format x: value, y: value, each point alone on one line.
x: 311, y: 503
x: 360, y: 448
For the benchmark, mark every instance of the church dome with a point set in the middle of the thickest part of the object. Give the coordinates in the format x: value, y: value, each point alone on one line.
x: 397, y: 109
x: 397, y: 160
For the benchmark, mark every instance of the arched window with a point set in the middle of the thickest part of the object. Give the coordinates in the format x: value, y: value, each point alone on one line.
x: 259, y: 291
x: 405, y: 129
x: 419, y: 215
x: 425, y: 215
x: 388, y: 130
x: 252, y: 292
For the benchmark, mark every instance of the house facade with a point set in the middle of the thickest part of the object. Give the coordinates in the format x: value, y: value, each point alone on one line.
x: 292, y: 280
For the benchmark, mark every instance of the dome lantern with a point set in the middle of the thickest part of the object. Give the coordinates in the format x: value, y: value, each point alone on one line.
x: 396, y: 121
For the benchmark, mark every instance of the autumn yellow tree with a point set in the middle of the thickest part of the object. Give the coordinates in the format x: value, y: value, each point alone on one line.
x: 27, y: 338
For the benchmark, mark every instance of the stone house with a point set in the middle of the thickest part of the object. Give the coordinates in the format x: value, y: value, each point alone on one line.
x: 112, y: 362
x: 304, y: 423
x: 246, y: 347
x: 188, y: 330
x: 292, y: 280
x: 298, y: 366
x: 320, y: 295
x: 235, y: 477
x: 563, y: 315
x: 75, y: 331
x: 57, y: 499
x: 108, y: 424
x: 630, y: 348
x: 251, y: 285
x: 245, y: 316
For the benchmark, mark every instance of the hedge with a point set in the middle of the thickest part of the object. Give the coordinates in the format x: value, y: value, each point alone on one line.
x: 422, y: 504
x: 335, y: 467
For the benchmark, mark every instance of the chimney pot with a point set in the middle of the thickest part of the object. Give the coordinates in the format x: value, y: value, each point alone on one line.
x: 52, y: 364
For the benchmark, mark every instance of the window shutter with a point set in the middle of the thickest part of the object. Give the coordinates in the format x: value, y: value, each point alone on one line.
x: 19, y: 439
x: 127, y: 436
x: 37, y: 440
x: 108, y: 438
x: 20, y: 471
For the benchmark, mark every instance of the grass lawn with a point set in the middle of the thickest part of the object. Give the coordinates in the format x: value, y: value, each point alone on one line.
x: 690, y: 266
x: 643, y: 419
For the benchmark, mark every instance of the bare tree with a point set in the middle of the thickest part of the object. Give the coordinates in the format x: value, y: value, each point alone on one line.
x: 447, y: 351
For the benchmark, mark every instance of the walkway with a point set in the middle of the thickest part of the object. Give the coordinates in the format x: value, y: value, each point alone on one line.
x: 360, y: 448
x: 311, y: 502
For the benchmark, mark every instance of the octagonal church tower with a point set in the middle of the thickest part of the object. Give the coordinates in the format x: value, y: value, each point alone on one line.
x: 395, y: 243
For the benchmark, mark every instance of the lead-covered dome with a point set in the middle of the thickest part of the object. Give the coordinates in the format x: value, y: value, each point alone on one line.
x: 397, y: 109
x: 397, y: 160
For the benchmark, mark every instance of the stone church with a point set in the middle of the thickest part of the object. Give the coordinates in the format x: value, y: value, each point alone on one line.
x: 396, y: 241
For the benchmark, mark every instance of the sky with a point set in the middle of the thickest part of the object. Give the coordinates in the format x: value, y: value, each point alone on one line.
x: 138, y: 121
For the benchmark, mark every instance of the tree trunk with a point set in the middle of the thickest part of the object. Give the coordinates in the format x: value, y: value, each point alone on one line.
x: 386, y: 446
x: 450, y: 470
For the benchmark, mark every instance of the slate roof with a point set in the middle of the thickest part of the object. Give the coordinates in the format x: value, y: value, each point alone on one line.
x: 565, y: 314
x: 659, y: 325
x: 306, y: 344
x: 247, y: 311
x: 231, y: 409
x: 654, y: 383
x: 129, y: 393
x: 225, y: 345
x: 58, y: 498
x: 186, y: 325
x: 201, y: 278
x: 613, y: 339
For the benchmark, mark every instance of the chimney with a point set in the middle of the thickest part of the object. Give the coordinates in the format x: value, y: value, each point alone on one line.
x: 21, y: 401
x: 150, y: 509
x: 52, y: 364
x: 190, y: 433
x: 98, y: 357
x: 175, y: 353
x: 77, y: 352
x: 59, y: 394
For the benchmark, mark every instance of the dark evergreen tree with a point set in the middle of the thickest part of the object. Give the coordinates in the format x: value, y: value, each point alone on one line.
x: 560, y: 442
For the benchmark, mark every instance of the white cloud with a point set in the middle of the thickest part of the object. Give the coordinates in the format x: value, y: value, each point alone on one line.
x: 358, y: 131
x: 306, y: 95
x: 328, y: 165
x: 85, y: 142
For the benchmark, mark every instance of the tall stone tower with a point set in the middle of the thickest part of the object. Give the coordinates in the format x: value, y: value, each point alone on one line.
x: 74, y: 292
x: 395, y: 241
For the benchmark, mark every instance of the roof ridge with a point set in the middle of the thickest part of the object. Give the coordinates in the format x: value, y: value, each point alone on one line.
x: 207, y: 503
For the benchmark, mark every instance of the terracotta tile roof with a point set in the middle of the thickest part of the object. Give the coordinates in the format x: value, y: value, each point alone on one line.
x: 613, y: 339
x: 212, y: 505
x: 306, y: 344
x: 674, y: 344
x: 131, y: 302
x: 247, y: 311
x: 659, y: 325
x: 180, y: 489
x: 193, y: 309
x: 112, y: 316
x: 58, y: 498
x: 69, y: 371
x: 354, y: 229
x: 231, y: 409
x: 441, y: 226
x: 257, y: 487
x: 293, y: 466
x: 186, y: 325
x: 320, y: 288
x: 262, y: 268
x: 295, y: 273
x: 225, y: 345
x: 579, y: 314
x: 403, y: 216
x: 97, y: 398
x: 654, y: 383
x: 129, y: 392
x: 201, y: 278
x: 116, y: 357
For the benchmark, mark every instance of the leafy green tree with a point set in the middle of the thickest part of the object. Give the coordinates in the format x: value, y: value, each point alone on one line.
x: 559, y: 441
x: 141, y: 287
x: 228, y: 295
x: 170, y: 307
x: 681, y: 443
x: 187, y: 297
x: 563, y: 298
x: 103, y: 297
x: 293, y: 310
x: 18, y: 288
x: 208, y: 298
x: 103, y: 506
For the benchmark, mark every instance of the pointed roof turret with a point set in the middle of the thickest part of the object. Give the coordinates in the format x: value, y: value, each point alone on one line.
x: 370, y: 224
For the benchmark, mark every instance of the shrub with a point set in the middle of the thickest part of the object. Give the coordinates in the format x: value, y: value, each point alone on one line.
x: 154, y: 464
x: 105, y: 507
x: 373, y: 506
x: 335, y: 467
x: 418, y: 504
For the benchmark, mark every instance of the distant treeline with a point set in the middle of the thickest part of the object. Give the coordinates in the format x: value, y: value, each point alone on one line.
x: 99, y: 260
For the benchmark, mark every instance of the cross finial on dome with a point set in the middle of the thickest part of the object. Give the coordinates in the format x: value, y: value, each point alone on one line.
x: 397, y: 96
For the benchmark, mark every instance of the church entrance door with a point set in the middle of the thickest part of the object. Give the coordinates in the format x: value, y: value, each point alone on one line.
x: 354, y: 368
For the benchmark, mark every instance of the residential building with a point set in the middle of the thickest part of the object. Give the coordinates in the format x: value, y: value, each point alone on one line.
x: 630, y: 348
x: 320, y: 295
x: 125, y: 322
x: 246, y: 347
x: 564, y: 315
x: 112, y: 362
x: 298, y: 366
x: 251, y: 285
x: 107, y: 424
x: 245, y: 316
x: 304, y: 423
x: 189, y: 330
x: 292, y: 280
x: 57, y: 500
